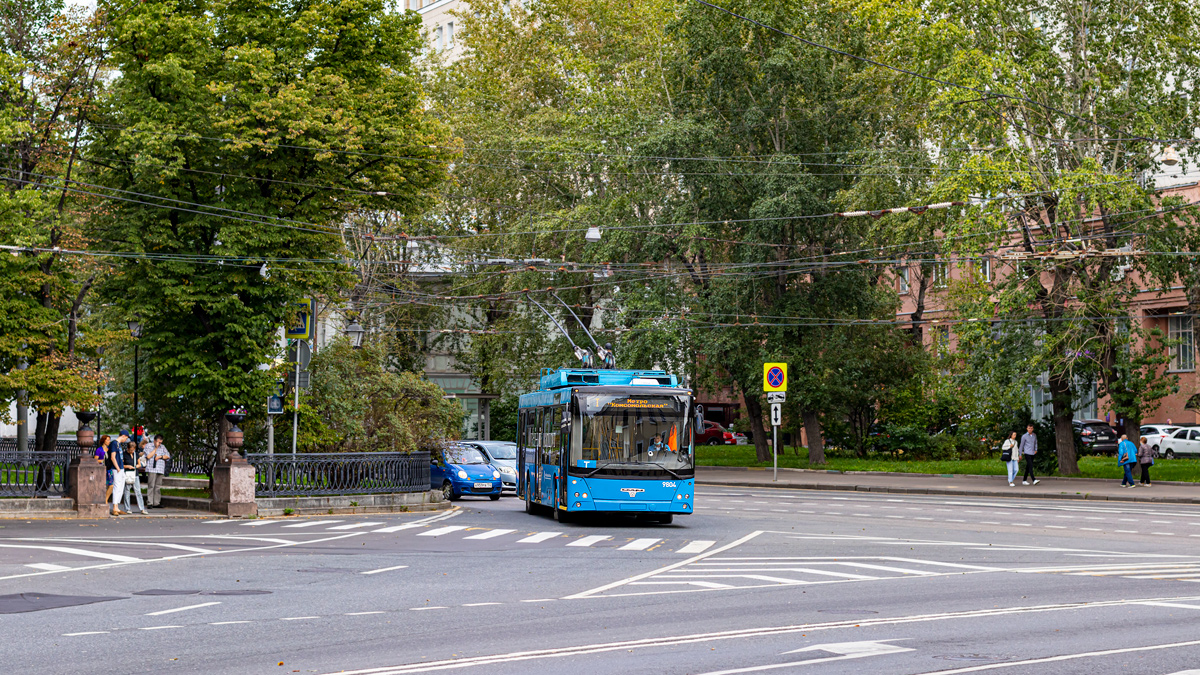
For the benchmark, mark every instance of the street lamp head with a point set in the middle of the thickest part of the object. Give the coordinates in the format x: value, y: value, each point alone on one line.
x: 135, y: 327
x: 593, y: 234
x: 1170, y: 156
x: 355, y: 332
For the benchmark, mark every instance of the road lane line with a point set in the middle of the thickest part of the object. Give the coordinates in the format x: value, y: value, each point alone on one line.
x: 363, y: 613
x: 385, y: 569
x: 354, y: 526
x: 117, y: 542
x: 490, y: 534
x: 698, y: 546
x: 159, y: 627
x: 1063, y: 657
x: 421, y: 609
x: 314, y: 523
x: 442, y: 530
x: 668, y: 568
x: 298, y: 618
x: 673, y: 640
x: 639, y: 544
x: 182, y: 609
x: 226, y: 623
x: 1178, y: 605
x: 538, y: 537
x: 77, y: 551
x: 86, y: 632
x: 588, y: 541
x: 256, y: 523
x: 481, y: 604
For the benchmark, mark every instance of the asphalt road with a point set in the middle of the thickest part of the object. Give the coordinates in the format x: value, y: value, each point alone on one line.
x: 770, y: 581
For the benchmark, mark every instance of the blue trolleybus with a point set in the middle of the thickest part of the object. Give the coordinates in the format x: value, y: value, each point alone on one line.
x: 617, y: 441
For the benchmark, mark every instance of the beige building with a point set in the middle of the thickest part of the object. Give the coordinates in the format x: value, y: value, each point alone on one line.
x: 441, y: 27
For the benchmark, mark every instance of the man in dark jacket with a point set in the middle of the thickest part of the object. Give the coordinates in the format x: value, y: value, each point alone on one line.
x: 1028, y: 447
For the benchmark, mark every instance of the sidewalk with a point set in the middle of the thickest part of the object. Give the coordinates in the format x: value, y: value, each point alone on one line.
x: 974, y: 486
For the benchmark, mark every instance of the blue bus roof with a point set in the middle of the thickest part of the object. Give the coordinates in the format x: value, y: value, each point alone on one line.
x: 554, y: 385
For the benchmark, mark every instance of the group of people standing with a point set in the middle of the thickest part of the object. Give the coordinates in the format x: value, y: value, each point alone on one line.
x: 1128, y: 455
x: 127, y: 456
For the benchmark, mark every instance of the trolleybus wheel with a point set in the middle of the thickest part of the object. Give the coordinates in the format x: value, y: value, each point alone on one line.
x: 529, y: 506
x: 562, y: 516
x: 666, y: 518
x: 448, y: 492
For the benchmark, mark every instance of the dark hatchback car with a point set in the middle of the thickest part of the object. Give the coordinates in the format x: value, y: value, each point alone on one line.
x: 1097, y: 437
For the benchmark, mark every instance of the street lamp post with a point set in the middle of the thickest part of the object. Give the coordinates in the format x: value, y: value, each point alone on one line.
x: 135, y: 331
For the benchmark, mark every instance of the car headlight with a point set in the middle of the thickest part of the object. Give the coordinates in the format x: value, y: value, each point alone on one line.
x: 495, y: 474
x: 462, y: 474
x: 508, y: 469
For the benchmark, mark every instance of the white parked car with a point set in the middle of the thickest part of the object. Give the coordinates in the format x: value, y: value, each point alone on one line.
x: 1156, y: 433
x: 1183, y: 442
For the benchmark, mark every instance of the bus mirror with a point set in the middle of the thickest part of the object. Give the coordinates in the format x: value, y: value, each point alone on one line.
x: 699, y: 419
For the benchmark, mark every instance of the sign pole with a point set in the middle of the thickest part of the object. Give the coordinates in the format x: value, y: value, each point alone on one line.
x: 270, y: 435
x: 775, y: 384
x: 296, y: 405
x: 775, y: 454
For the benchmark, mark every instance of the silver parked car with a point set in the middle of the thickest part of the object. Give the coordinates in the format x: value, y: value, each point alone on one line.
x: 503, y: 456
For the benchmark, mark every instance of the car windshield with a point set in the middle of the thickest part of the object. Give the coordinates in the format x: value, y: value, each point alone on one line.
x: 625, y: 429
x: 502, y: 451
x: 465, y: 456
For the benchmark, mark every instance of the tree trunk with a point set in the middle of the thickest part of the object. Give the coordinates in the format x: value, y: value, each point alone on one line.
x: 816, y: 443
x: 1133, y: 427
x: 47, y: 433
x: 1064, y: 430
x: 39, y: 431
x: 222, y: 427
x: 754, y: 410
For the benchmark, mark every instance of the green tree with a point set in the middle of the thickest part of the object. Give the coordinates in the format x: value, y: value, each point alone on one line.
x: 237, y: 139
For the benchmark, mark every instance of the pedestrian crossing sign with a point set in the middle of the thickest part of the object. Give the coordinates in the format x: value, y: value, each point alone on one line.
x: 299, y: 322
x: 774, y: 377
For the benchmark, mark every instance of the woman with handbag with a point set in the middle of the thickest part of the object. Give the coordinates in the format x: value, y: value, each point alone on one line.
x: 135, y: 459
x: 1145, y: 457
x: 1009, y: 455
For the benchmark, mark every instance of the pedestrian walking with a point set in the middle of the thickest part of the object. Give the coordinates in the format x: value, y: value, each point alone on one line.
x: 1126, y: 458
x: 1008, y: 455
x: 1028, y: 447
x: 1145, y: 458
x: 134, y: 461
x: 156, y: 469
x: 115, y: 463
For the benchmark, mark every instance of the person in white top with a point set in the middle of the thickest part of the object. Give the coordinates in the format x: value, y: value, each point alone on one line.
x: 1014, y: 461
x: 156, y: 468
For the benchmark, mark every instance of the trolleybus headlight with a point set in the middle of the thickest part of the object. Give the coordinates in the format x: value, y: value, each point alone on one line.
x: 576, y: 494
x: 585, y: 495
x: 462, y: 474
x: 576, y: 503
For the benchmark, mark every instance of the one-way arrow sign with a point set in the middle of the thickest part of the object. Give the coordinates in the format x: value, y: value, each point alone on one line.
x: 844, y: 650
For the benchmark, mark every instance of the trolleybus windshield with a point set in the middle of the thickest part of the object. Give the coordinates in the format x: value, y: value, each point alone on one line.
x: 631, y: 432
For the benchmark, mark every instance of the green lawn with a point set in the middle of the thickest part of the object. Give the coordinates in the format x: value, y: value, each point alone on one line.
x: 186, y: 492
x: 1089, y: 467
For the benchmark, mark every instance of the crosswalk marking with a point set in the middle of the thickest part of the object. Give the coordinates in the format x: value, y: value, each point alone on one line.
x: 489, y: 534
x: 353, y: 526
x: 314, y: 523
x: 639, y: 544
x: 538, y: 537
x: 257, y: 523
x: 396, y: 528
x: 442, y: 530
x: 48, y: 567
x: 76, y: 551
x: 588, y: 541
x: 698, y: 546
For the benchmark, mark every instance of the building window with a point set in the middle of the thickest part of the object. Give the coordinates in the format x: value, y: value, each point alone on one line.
x: 1183, y: 353
x: 941, y: 275
x: 450, y: 35
x: 902, y: 279
x: 941, y: 339
x: 437, y: 38
x: 983, y: 267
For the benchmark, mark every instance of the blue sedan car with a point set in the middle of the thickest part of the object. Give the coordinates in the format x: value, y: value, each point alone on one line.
x: 459, y: 470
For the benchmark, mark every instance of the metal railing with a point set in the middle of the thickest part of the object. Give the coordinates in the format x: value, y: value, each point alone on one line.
x: 26, y: 473
x: 335, y: 473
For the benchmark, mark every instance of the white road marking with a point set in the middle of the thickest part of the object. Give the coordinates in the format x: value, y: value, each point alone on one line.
x: 538, y: 537
x: 226, y: 623
x: 77, y: 551
x: 541, y: 600
x: 589, y: 540
x: 481, y: 604
x: 397, y: 528
x: 1178, y: 605
x: 354, y: 526
x: 86, y: 632
x: 442, y: 530
x: 1055, y: 527
x: 385, y: 569
x: 421, y: 609
x: 257, y: 523
x: 117, y: 542
x: 639, y: 544
x: 363, y: 613
x: 49, y: 567
x: 1064, y: 657
x: 844, y: 650
x: 298, y: 618
x: 182, y: 609
x: 698, y: 546
x: 159, y: 627
x: 490, y: 534
x: 668, y: 568
x: 667, y: 641
x: 314, y: 523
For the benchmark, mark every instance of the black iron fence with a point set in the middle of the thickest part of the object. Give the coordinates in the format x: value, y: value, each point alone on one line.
x: 28, y: 473
x: 355, y: 473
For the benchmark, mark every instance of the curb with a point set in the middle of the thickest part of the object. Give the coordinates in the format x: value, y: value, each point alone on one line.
x: 931, y: 475
x: 949, y: 492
